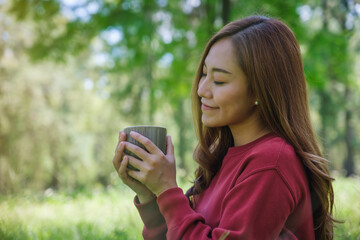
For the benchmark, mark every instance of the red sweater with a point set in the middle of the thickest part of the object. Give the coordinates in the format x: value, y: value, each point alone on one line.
x: 260, y: 192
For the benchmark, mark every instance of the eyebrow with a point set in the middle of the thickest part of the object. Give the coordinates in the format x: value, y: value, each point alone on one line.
x: 218, y: 70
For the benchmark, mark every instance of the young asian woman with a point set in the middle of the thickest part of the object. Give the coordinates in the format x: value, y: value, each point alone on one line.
x: 261, y: 173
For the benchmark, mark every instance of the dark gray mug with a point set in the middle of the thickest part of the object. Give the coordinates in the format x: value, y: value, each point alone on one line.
x: 156, y: 134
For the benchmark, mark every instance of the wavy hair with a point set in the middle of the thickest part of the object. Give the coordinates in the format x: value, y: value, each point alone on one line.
x: 269, y: 55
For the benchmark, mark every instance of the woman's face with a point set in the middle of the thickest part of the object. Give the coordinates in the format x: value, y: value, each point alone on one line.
x: 223, y: 89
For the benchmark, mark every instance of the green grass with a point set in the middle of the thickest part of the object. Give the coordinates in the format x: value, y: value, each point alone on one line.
x: 110, y: 214
x: 99, y: 215
x: 347, y: 208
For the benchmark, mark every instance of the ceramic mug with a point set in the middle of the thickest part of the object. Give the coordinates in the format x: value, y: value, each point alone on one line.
x: 156, y: 134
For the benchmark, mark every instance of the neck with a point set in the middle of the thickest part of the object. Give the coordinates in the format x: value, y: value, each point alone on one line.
x: 248, y: 132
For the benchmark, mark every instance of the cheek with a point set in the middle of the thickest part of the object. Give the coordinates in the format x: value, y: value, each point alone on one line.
x: 231, y: 99
x: 236, y: 103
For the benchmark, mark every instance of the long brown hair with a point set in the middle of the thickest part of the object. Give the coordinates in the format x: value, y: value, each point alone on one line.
x: 269, y: 55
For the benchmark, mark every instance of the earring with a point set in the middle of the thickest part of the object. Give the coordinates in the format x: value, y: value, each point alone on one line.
x: 256, y: 102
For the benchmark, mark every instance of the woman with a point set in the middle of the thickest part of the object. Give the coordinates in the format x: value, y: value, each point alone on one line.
x: 261, y: 174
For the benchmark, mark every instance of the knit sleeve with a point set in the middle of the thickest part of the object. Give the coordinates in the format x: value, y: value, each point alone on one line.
x: 255, y: 208
x: 154, y: 223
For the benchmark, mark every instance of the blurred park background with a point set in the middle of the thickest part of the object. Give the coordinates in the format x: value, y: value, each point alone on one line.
x: 75, y: 72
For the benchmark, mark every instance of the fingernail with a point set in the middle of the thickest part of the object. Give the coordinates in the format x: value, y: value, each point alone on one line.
x: 134, y: 133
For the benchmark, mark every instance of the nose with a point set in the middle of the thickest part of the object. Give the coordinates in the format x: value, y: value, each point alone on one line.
x: 203, y: 88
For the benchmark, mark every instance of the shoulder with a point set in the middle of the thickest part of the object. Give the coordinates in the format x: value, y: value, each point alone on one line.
x: 263, y: 153
x: 270, y: 153
x: 278, y: 155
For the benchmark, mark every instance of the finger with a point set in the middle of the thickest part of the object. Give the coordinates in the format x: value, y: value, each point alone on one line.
x: 137, y: 175
x: 125, y: 177
x: 123, y: 168
x: 138, y: 151
x: 122, y: 137
x: 148, y: 144
x: 136, y: 163
x: 118, y: 155
x: 170, y: 146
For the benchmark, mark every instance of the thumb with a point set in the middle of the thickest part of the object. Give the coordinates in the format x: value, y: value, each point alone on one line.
x: 170, y: 146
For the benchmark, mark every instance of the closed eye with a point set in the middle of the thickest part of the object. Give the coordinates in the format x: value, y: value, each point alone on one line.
x: 218, y: 83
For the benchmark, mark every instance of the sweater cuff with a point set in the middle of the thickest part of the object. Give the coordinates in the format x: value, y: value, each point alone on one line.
x: 149, y: 213
x: 173, y: 205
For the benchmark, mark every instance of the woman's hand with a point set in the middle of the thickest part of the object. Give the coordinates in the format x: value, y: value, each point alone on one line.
x: 120, y: 164
x: 157, y: 171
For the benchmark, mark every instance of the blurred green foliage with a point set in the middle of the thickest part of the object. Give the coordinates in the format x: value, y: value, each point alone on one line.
x: 73, y: 73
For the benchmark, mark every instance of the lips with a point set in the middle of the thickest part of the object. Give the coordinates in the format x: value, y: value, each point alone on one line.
x: 207, y: 107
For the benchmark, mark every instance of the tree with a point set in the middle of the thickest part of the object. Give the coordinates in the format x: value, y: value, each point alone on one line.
x: 46, y: 119
x: 330, y: 66
x: 145, y: 53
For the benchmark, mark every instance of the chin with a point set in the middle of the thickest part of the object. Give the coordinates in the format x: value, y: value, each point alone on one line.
x: 210, y: 124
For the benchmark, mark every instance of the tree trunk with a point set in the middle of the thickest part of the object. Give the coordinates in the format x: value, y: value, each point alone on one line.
x: 54, y: 181
x: 180, y: 120
x: 54, y: 184
x: 150, y: 80
x: 210, y: 9
x: 326, y: 116
x: 349, y: 137
x: 226, y: 4
x: 349, y: 130
x: 325, y: 15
